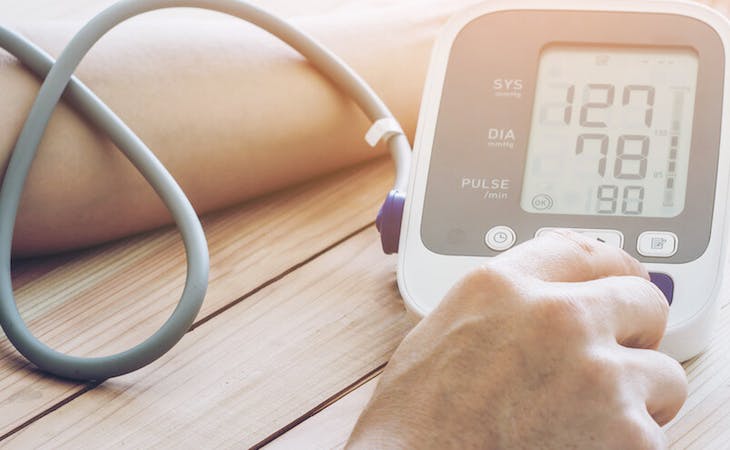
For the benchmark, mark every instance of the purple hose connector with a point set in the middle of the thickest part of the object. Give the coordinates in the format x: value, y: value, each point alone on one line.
x: 389, y: 221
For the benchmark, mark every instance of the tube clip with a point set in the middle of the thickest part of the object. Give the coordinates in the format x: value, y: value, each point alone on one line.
x: 383, y: 129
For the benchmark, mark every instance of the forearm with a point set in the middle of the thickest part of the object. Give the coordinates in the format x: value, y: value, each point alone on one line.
x: 230, y: 111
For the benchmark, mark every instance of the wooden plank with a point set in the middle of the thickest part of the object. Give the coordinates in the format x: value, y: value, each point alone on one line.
x: 107, y: 299
x: 704, y: 421
x: 254, y: 369
x: 331, y: 428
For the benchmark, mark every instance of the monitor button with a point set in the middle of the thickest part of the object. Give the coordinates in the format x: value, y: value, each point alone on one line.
x: 610, y: 237
x: 657, y: 244
x: 665, y: 283
x: 500, y: 238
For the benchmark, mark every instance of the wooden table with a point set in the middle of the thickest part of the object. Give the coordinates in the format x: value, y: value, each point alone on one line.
x: 301, y: 316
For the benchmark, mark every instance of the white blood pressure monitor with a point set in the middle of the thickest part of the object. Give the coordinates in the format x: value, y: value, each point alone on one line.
x: 605, y: 117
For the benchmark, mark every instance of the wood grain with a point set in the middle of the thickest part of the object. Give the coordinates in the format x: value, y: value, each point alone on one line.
x: 704, y: 421
x: 262, y: 364
x: 107, y: 299
x: 331, y: 428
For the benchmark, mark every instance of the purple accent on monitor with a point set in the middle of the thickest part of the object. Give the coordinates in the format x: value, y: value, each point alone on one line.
x: 389, y: 221
x: 665, y: 283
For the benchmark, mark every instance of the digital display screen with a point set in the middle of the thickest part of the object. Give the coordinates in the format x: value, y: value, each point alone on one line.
x: 611, y: 131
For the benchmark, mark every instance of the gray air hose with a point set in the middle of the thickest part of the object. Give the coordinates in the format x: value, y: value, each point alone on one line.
x: 59, y: 81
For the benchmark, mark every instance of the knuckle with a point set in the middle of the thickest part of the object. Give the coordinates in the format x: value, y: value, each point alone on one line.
x: 650, y: 292
x: 589, y: 247
x: 487, y: 273
x: 632, y: 265
x: 637, y: 294
x: 636, y: 431
x: 679, y: 375
x: 488, y: 276
x: 488, y: 282
x: 645, y: 290
x: 496, y: 274
x: 679, y: 387
x: 577, y: 241
x: 659, y: 299
x: 585, y: 248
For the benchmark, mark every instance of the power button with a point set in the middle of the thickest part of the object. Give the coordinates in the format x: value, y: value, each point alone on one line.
x: 500, y: 238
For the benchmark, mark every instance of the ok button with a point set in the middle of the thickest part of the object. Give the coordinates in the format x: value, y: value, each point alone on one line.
x: 500, y: 238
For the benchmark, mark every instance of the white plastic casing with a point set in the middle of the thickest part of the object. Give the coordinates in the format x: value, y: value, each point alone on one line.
x: 424, y: 277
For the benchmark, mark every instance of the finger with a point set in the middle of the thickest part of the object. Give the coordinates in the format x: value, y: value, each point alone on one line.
x: 631, y: 310
x: 661, y: 381
x: 563, y: 255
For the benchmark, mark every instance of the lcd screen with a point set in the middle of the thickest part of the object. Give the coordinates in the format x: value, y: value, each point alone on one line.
x: 611, y: 131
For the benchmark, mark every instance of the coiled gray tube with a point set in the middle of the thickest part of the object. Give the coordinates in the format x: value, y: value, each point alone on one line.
x: 58, y: 81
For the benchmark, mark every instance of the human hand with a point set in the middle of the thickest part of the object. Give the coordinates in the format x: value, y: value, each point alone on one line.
x: 550, y: 345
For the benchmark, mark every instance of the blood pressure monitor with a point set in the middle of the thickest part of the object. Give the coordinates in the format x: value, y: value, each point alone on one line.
x: 605, y: 117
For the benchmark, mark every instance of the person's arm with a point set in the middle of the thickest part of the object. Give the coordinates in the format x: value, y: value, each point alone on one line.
x: 231, y: 111
x: 551, y: 345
